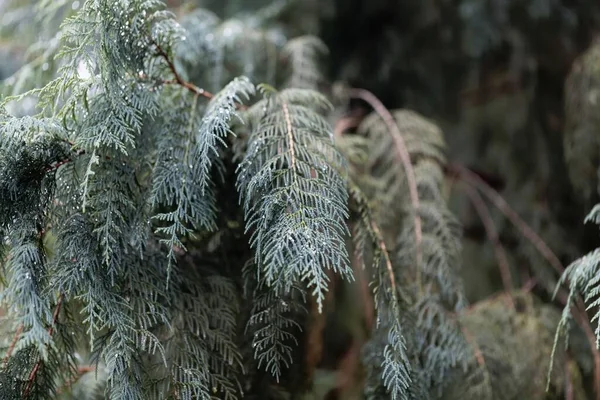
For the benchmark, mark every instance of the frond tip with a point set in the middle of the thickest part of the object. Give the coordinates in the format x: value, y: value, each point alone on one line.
x: 303, y: 53
x: 215, y: 125
x: 295, y: 200
x: 584, y: 278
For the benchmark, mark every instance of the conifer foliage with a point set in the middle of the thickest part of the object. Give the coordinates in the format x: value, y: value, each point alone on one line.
x: 113, y: 246
x: 180, y: 204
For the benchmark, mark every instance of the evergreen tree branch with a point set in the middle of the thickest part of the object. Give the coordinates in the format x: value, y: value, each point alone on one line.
x: 492, y: 234
x: 295, y: 205
x: 178, y: 79
x: 294, y: 199
x: 38, y: 364
x: 302, y: 53
x: 474, y: 180
x: 274, y: 326
x: 404, y: 156
x: 395, y: 365
x: 480, y: 358
x: 182, y: 82
x: 386, y: 258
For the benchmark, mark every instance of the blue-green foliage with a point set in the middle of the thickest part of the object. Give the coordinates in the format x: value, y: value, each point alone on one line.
x: 274, y: 324
x: 390, y: 365
x: 293, y: 194
x: 23, y: 200
x: 417, y: 287
x: 583, y: 278
x: 115, y: 253
x: 295, y: 207
x: 233, y: 47
x: 183, y: 174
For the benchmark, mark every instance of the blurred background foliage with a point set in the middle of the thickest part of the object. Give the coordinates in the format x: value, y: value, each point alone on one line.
x: 513, y: 85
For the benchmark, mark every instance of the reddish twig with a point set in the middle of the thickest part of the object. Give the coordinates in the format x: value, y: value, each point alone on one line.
x: 529, y: 285
x: 182, y: 82
x: 345, y: 123
x: 388, y: 262
x: 568, y: 380
x: 11, y: 348
x: 178, y: 79
x: 79, y: 373
x: 56, y: 165
x: 579, y: 310
x: 348, y: 366
x: 584, y: 322
x: 38, y: 364
x: 404, y: 156
x: 474, y: 180
x: 365, y: 292
x: 314, y: 339
x: 478, y: 356
x: 492, y: 234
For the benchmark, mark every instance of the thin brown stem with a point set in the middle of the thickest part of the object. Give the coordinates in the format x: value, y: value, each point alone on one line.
x: 584, y: 322
x: 492, y: 234
x: 363, y: 285
x: 182, y: 82
x: 478, y: 357
x: 388, y: 262
x: 569, y: 395
x: 529, y: 285
x: 178, y: 79
x: 345, y: 123
x: 404, y: 157
x: 474, y: 180
x: 38, y: 364
x: 579, y: 309
x: 11, y: 348
x: 56, y: 165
